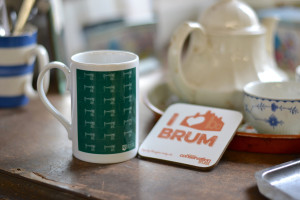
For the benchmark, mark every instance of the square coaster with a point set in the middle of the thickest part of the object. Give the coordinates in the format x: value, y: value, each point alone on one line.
x: 191, y: 135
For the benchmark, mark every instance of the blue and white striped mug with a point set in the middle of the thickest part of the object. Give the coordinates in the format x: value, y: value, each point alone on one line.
x: 17, y: 61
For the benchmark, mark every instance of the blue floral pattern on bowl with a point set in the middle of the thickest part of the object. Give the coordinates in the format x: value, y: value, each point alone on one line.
x: 267, y: 110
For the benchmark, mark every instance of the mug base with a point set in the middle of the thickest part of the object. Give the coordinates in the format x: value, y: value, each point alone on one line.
x: 105, y: 159
x: 15, y: 101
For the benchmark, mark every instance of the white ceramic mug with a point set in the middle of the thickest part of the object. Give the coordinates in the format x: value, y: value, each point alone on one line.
x: 297, y: 74
x: 17, y: 56
x: 104, y: 94
x: 273, y: 107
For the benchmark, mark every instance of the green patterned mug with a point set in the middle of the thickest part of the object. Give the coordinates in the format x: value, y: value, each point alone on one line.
x: 104, y: 94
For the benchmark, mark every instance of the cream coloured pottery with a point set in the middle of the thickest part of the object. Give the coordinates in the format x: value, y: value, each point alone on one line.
x: 228, y: 48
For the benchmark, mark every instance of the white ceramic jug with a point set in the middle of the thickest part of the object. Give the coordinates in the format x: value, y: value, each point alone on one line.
x: 227, y: 49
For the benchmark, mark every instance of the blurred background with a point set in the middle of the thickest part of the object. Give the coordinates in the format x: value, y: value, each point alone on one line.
x: 144, y: 27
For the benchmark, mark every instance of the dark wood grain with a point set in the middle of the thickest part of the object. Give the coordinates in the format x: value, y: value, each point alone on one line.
x: 36, y: 162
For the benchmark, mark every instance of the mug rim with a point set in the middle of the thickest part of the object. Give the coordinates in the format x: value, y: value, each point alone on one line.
x: 26, y: 38
x: 76, y: 58
x: 250, y: 85
x: 29, y: 31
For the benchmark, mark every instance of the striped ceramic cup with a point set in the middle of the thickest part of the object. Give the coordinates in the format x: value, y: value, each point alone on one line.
x: 17, y: 60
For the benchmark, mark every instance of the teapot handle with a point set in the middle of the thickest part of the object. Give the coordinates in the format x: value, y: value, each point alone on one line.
x: 178, y: 83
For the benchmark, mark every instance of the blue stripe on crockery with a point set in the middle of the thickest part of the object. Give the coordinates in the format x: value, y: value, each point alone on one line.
x: 15, y: 101
x: 6, y: 71
x: 17, y: 41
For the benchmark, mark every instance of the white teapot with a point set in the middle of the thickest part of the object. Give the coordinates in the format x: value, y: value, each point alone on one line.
x: 227, y: 49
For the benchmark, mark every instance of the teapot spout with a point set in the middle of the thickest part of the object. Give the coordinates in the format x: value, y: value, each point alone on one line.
x: 270, y: 23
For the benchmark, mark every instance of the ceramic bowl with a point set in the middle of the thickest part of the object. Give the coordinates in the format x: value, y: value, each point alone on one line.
x: 273, y: 107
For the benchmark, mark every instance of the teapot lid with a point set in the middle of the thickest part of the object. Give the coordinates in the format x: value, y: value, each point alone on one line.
x: 231, y: 17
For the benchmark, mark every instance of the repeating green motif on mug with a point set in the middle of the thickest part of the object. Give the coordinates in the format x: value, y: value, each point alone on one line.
x: 106, y: 106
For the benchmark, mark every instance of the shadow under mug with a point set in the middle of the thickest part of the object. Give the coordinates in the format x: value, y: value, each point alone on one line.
x: 17, y: 61
x: 104, y: 96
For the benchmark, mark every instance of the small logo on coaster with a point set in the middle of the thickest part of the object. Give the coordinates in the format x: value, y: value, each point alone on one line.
x: 207, y: 122
x: 192, y: 135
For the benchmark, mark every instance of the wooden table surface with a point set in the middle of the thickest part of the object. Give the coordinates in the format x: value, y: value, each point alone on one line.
x: 36, y: 162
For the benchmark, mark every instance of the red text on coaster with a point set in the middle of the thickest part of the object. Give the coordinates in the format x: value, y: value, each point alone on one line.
x: 191, y: 135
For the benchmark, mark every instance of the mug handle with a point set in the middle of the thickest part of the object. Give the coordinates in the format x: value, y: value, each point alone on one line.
x: 58, y: 65
x: 40, y: 53
x: 197, y: 45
